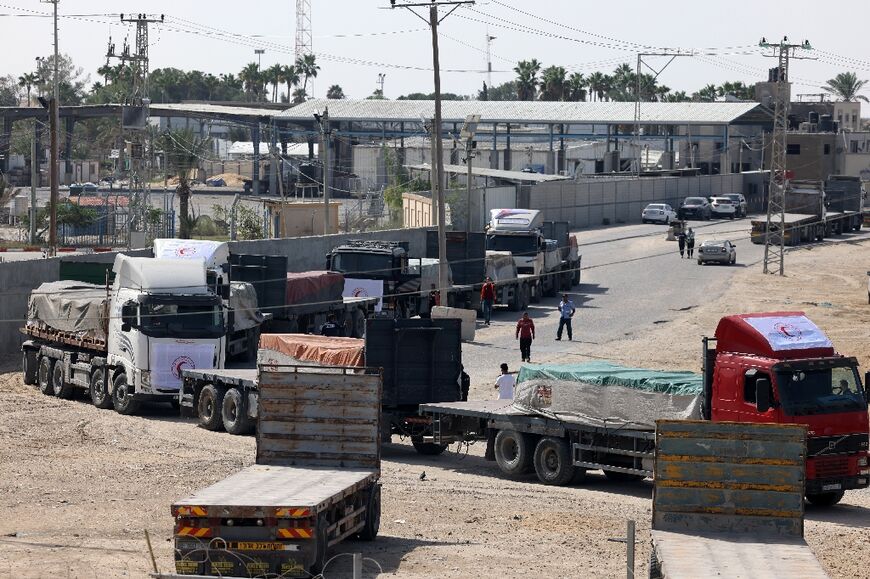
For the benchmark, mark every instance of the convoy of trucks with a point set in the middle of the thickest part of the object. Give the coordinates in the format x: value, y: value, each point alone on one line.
x: 768, y: 367
x: 815, y: 210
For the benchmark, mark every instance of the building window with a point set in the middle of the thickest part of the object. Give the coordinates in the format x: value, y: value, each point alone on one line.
x: 793, y: 149
x: 853, y: 146
x: 827, y: 149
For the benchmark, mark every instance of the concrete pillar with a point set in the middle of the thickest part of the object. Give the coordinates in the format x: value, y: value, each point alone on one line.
x: 5, y: 144
x: 255, y: 170
x: 493, y: 155
x: 507, y: 149
x: 37, y: 134
x: 69, y: 127
x: 274, y: 163
x: 725, y: 157
x: 560, y: 158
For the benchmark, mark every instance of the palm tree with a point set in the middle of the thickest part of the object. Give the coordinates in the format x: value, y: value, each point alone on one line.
x: 335, y: 92
x: 845, y: 87
x: 250, y: 77
x: 308, y: 68
x: 28, y: 81
x: 677, y: 97
x: 183, y: 150
x: 290, y: 76
x: 624, y: 82
x: 553, y: 83
x: 576, y: 87
x: 527, y: 78
x: 299, y: 96
x: 737, y: 89
x: 596, y: 85
x: 273, y: 73
x: 706, y: 94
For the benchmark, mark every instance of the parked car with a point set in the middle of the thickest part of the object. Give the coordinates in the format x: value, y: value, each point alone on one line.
x: 715, y: 251
x: 722, y: 207
x: 739, y: 202
x: 697, y: 207
x: 658, y: 212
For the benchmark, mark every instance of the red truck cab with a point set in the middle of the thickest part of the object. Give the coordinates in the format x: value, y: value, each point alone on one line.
x: 780, y: 367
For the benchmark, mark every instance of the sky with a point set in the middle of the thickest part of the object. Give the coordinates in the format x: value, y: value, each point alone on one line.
x: 356, y: 40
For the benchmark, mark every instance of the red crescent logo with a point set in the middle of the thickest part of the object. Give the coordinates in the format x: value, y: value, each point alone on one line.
x: 789, y: 331
x: 180, y: 364
x: 185, y: 251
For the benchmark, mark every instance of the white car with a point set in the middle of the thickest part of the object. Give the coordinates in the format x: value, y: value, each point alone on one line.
x: 658, y: 212
x: 739, y: 202
x: 723, y: 207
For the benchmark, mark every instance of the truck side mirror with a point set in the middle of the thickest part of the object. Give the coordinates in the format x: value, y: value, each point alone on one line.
x: 128, y: 317
x: 762, y: 394
x: 225, y: 291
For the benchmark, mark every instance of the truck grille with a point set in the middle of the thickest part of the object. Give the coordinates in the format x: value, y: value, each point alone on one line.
x: 842, y: 444
x: 830, y: 467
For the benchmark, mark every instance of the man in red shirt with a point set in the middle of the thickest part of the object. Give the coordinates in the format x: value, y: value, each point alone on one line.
x: 487, y: 298
x: 525, y: 334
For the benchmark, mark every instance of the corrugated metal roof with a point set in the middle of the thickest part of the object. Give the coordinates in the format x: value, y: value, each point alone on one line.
x: 522, y: 111
x: 495, y: 173
x: 207, y: 110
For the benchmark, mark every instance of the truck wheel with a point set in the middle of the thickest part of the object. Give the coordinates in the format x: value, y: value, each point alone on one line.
x: 320, y: 549
x: 234, y: 414
x: 655, y: 568
x: 622, y: 476
x: 825, y: 499
x: 552, y: 289
x: 428, y: 448
x: 46, y: 368
x: 122, y: 396
x: 209, y: 407
x: 62, y: 389
x: 553, y: 463
x: 373, y: 515
x: 358, y: 324
x: 99, y: 393
x: 513, y: 452
x: 30, y: 367
x: 576, y: 280
x: 516, y: 304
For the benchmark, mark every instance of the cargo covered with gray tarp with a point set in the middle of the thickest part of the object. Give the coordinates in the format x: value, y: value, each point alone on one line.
x: 608, y: 395
x: 243, y: 302
x: 70, y: 306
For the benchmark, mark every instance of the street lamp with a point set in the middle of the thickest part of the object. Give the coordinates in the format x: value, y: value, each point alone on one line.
x: 259, y: 52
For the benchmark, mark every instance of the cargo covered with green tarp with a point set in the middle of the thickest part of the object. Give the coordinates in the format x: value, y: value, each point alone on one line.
x: 608, y: 395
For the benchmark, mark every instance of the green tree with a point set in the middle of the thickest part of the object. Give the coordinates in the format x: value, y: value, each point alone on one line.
x: 597, y: 85
x: 27, y: 81
x: 72, y: 81
x: 737, y: 89
x: 183, y: 151
x: 553, y: 80
x: 307, y: 67
x: 335, y: 92
x: 845, y: 87
x: 274, y: 74
x: 252, y: 80
x: 527, y: 79
x: 378, y: 95
x: 290, y: 76
x: 8, y: 91
x: 576, y: 87
x: 706, y: 94
x: 503, y: 92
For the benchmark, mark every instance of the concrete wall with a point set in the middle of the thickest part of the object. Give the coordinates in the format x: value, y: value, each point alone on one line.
x: 19, y: 278
x: 595, y: 202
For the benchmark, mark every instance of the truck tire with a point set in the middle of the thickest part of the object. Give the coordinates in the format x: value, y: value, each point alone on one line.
x: 234, y: 413
x: 372, y: 524
x: 358, y: 323
x: 46, y: 368
x: 100, y: 396
x: 552, y: 289
x: 30, y: 367
x: 655, y: 568
x: 825, y: 499
x: 209, y: 407
x: 428, y: 448
x: 62, y: 389
x: 576, y: 280
x: 123, y: 398
x: 322, y: 538
x: 553, y: 463
x: 513, y: 452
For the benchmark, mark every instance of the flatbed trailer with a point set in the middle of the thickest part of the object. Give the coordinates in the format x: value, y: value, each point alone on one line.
x: 558, y: 450
x: 315, y: 483
x: 800, y: 228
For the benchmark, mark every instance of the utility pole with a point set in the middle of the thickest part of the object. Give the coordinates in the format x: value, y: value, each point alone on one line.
x: 54, y: 112
x: 34, y: 181
x: 469, y: 128
x: 774, y: 241
x: 433, y: 22
x: 489, y: 40
x: 325, y: 138
x: 640, y: 64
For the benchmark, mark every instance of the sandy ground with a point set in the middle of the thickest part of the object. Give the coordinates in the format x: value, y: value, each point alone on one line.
x: 78, y: 486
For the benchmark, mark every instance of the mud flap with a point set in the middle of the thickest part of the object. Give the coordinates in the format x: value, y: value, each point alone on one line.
x: 490, y: 445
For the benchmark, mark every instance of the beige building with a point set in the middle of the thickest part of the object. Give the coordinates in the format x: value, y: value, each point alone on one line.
x: 291, y: 219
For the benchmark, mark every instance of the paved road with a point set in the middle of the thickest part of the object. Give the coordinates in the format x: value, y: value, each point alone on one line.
x: 632, y: 278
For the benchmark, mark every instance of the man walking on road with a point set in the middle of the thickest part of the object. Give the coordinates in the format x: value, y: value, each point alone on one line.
x: 690, y: 243
x: 566, y: 312
x: 525, y: 334
x: 681, y: 243
x: 505, y: 384
x: 487, y: 298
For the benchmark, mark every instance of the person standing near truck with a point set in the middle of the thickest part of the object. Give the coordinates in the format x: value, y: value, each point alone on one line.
x: 505, y: 384
x: 681, y: 243
x: 525, y: 334
x: 331, y: 327
x: 487, y: 298
x: 566, y: 312
x: 690, y: 243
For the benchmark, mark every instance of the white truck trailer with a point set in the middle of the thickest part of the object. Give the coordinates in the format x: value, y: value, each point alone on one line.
x: 126, y: 343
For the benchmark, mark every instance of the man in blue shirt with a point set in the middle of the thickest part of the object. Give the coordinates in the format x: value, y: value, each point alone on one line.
x: 566, y: 312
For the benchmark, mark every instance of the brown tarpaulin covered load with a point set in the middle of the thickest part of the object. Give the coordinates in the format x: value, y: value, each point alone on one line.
x: 309, y: 287
x: 308, y: 349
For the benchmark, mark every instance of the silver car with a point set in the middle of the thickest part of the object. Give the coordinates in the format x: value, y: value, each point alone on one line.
x: 714, y: 251
x: 659, y: 212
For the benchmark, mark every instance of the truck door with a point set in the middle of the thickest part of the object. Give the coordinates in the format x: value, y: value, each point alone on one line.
x: 756, y: 406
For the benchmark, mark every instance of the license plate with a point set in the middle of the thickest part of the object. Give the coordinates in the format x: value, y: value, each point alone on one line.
x: 259, y: 546
x: 832, y: 487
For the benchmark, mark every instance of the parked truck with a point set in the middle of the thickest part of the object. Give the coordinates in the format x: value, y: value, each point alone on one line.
x: 315, y: 482
x: 546, y: 266
x: 844, y: 202
x: 421, y: 361
x: 128, y: 342
x: 728, y: 502
x: 765, y: 367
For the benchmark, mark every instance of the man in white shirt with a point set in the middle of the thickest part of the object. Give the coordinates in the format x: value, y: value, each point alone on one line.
x: 505, y: 384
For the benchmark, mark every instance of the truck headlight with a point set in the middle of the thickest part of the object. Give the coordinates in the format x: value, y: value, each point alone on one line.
x: 864, y: 472
x: 862, y: 461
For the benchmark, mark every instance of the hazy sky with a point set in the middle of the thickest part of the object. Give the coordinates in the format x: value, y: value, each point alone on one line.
x: 357, y: 39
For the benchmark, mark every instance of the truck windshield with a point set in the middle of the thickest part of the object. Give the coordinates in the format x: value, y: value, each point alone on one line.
x: 820, y: 391
x: 368, y: 265
x: 181, y: 319
x: 516, y: 244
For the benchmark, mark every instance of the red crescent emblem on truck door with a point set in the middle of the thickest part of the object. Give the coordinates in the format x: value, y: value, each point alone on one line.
x: 180, y: 364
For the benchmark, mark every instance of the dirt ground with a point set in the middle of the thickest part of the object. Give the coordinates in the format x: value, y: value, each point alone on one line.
x: 79, y: 486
